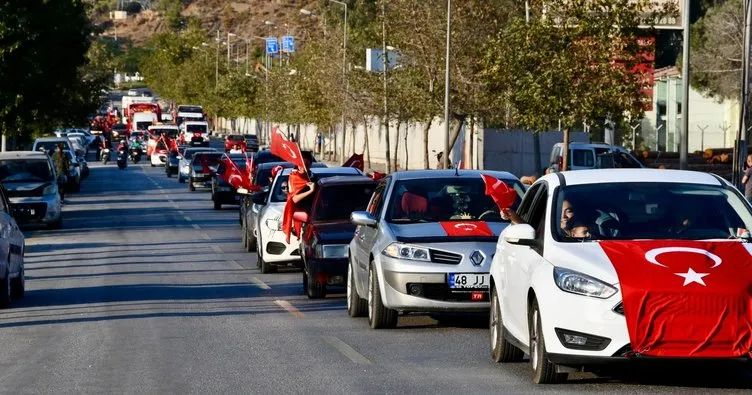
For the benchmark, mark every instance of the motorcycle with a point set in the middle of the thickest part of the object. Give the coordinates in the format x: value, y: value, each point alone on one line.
x: 105, y: 155
x: 122, y: 158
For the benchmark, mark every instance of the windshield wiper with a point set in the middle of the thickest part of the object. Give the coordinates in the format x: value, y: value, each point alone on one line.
x: 409, y: 221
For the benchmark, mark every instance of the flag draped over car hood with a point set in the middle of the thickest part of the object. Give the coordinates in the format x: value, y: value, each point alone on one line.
x: 685, y: 298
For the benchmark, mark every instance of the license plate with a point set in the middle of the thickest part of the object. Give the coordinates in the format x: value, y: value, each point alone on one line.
x: 468, y: 280
x: 32, y: 211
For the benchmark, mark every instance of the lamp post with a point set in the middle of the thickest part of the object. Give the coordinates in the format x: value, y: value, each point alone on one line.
x: 216, y: 65
x: 313, y: 15
x: 344, y: 75
x: 445, y: 159
x: 740, y: 146
x: 684, y: 137
x: 229, y: 35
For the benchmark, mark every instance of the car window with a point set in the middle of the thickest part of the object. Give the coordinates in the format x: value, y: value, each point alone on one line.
x: 537, y: 215
x: 196, y: 128
x: 330, y: 206
x: 555, y: 155
x: 583, y: 158
x: 20, y: 170
x: 445, y: 199
x: 527, y: 201
x: 661, y: 211
x: 279, y: 194
x: 377, y: 200
x: 627, y: 161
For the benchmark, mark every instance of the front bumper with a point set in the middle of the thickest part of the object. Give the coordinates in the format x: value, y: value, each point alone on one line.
x: 398, y: 277
x: 276, y: 250
x: 203, y: 180
x: 158, y: 159
x: 37, y: 210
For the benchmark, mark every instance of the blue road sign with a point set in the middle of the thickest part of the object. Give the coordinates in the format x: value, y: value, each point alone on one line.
x: 272, y: 46
x: 288, y: 44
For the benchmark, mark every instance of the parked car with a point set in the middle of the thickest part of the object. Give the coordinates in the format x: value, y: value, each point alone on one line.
x: 327, y: 231
x: 184, y: 166
x: 222, y: 191
x: 249, y: 211
x: 425, y: 244
x: 12, y: 246
x: 585, y: 156
x: 625, y: 286
x: 203, y: 167
x: 31, y: 186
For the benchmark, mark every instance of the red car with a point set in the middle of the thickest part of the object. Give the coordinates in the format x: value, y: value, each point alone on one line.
x: 233, y: 140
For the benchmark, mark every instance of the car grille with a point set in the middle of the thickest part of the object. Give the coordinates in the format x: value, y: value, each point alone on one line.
x: 23, y: 211
x: 36, y: 192
x: 619, y: 308
x: 443, y: 293
x: 448, y: 258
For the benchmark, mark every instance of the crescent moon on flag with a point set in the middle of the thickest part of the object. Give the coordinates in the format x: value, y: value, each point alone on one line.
x: 291, y: 151
x: 652, y: 255
x: 465, y: 227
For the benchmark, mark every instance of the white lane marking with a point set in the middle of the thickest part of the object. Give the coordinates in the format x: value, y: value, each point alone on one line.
x: 187, y: 218
x: 285, y: 305
x: 217, y: 249
x: 181, y: 212
x: 260, y: 283
x: 195, y: 226
x: 205, y: 236
x: 171, y: 201
x: 346, y: 350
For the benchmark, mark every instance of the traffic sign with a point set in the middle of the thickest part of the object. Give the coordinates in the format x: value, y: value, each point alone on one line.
x: 272, y: 46
x: 288, y: 44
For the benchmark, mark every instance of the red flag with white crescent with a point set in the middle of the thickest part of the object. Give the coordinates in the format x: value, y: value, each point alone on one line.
x: 466, y: 228
x: 499, y: 191
x: 287, y: 150
x: 685, y: 298
x: 297, y: 182
x: 356, y: 161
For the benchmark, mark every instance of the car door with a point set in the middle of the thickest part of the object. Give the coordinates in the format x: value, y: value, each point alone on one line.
x: 10, y: 233
x: 365, y: 235
x: 522, y: 260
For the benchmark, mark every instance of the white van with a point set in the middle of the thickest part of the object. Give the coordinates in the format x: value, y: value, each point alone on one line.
x: 583, y: 156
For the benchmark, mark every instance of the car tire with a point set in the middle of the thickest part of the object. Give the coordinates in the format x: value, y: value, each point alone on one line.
x: 191, y: 187
x: 315, y: 289
x: 544, y: 371
x: 18, y: 285
x: 56, y: 225
x: 265, y: 266
x: 356, y: 306
x: 251, y: 245
x: 153, y: 165
x: 5, y: 290
x: 217, y: 205
x: 379, y: 316
x: 181, y: 180
x: 169, y: 174
x: 501, y: 349
x: 305, y: 283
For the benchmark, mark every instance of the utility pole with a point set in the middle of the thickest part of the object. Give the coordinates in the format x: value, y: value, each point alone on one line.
x: 386, y: 67
x: 447, y: 84
x: 684, y: 137
x: 740, y: 145
x: 216, y: 66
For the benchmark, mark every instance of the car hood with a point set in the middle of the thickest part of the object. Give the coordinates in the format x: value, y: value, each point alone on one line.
x: 20, y: 189
x: 434, y: 232
x: 587, y: 258
x: 334, y: 231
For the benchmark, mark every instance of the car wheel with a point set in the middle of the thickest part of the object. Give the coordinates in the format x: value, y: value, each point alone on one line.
x: 181, y: 180
x: 356, y: 306
x: 5, y: 290
x: 316, y: 289
x: 57, y: 224
x: 217, y: 205
x: 191, y: 187
x: 544, y: 371
x: 18, y: 285
x: 305, y: 283
x: 379, y: 316
x: 244, y: 240
x: 153, y: 165
x: 265, y: 266
x: 501, y: 349
x: 252, y: 245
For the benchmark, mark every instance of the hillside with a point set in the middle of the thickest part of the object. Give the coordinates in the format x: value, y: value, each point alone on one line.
x: 244, y: 18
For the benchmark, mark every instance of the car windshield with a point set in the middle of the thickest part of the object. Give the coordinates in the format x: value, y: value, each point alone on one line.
x: 330, y: 206
x: 210, y: 158
x: 48, y: 146
x: 445, y: 199
x: 196, y: 128
x: 250, y: 137
x: 144, y: 125
x: 172, y: 133
x: 188, y: 154
x: 661, y: 211
x: 25, y: 170
x: 196, y: 109
x: 266, y: 157
x: 235, y: 137
x: 279, y: 194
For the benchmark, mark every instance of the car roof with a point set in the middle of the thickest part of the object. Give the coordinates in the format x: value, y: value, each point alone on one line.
x: 163, y: 127
x: 329, y: 170
x: 592, y: 145
x: 606, y: 176
x: 195, y: 123
x: 205, y: 149
x: 346, y: 180
x: 23, y: 155
x: 417, y: 174
x: 236, y: 156
x: 48, y: 139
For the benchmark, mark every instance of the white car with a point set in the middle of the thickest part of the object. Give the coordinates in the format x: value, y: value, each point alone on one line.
x: 195, y: 133
x: 273, y: 250
x: 613, y: 264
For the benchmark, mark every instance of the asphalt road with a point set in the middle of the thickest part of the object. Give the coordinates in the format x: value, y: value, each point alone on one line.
x: 146, y: 290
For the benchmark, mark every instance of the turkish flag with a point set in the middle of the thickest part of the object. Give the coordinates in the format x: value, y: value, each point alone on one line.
x: 233, y: 175
x: 466, y: 228
x: 287, y: 150
x: 297, y: 182
x: 500, y: 192
x: 356, y: 161
x: 685, y: 298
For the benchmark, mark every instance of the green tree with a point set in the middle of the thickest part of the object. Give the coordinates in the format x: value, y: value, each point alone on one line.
x: 572, y: 64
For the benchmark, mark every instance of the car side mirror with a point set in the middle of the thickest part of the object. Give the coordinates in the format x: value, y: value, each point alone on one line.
x: 243, y: 191
x: 259, y: 198
x: 300, y: 216
x: 520, y: 234
x: 363, y: 218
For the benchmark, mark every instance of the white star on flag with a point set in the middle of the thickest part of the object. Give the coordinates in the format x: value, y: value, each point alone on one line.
x: 692, y: 277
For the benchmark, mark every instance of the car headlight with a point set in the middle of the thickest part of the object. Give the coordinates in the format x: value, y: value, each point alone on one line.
x: 581, y: 284
x: 406, y: 251
x: 274, y: 224
x: 186, y: 169
x: 330, y: 251
x: 50, y: 190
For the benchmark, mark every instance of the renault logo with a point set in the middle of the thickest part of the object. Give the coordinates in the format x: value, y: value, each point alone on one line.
x: 477, y: 258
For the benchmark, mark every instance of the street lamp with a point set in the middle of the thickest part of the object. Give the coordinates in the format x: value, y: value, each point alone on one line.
x: 229, y: 35
x: 344, y: 75
x: 216, y: 65
x: 445, y: 159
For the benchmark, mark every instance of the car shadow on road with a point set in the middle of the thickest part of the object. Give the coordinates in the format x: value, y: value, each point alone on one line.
x: 689, y: 374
